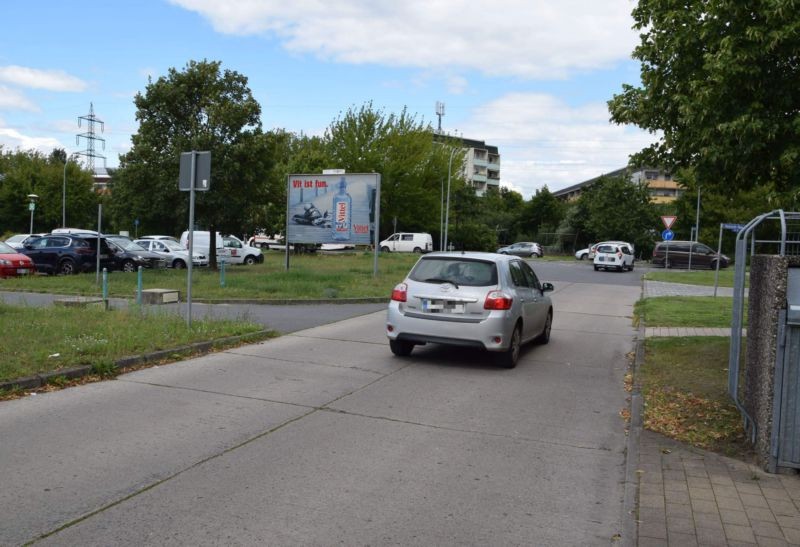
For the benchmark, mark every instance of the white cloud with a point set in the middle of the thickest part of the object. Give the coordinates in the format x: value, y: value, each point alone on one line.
x: 53, y: 80
x: 544, y: 141
x: 12, y: 139
x: 526, y: 38
x: 11, y: 99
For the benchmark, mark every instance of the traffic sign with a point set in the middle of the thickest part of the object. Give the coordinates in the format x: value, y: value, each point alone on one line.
x: 733, y: 227
x: 202, y: 171
x: 667, y: 235
x: 668, y: 221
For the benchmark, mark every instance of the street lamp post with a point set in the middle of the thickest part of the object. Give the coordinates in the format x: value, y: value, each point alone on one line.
x: 32, y: 207
x: 64, y: 193
x: 447, y: 206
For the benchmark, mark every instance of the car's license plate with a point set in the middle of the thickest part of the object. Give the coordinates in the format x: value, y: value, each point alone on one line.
x: 439, y: 306
x: 23, y: 271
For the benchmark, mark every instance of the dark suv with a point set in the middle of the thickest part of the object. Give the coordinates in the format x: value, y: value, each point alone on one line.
x: 675, y: 254
x: 60, y: 254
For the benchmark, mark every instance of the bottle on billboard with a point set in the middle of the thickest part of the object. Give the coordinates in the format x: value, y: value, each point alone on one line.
x: 342, y: 211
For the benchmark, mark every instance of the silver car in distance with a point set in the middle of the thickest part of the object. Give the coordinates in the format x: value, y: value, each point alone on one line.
x: 482, y: 300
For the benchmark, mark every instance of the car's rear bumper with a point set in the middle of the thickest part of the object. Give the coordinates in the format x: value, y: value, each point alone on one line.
x: 483, y: 333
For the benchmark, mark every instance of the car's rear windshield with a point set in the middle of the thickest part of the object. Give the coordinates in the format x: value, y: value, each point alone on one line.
x: 461, y: 271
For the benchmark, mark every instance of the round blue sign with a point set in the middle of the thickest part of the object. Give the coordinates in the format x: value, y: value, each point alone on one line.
x: 667, y: 235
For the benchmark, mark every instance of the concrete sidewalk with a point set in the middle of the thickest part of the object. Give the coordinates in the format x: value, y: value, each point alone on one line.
x: 688, y: 496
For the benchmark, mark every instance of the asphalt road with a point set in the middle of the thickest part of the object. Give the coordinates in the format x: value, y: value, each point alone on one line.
x: 322, y: 437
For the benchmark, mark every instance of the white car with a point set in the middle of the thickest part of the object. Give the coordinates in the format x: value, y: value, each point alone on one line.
x: 18, y: 241
x: 613, y: 255
x: 176, y: 255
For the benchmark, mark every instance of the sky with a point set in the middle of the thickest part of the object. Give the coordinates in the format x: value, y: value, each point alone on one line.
x: 531, y: 77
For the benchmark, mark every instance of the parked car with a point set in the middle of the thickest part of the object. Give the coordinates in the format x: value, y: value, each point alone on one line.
x: 176, y: 255
x: 523, y: 248
x: 583, y: 254
x: 264, y: 241
x: 13, y: 263
x: 18, y: 241
x: 675, y: 254
x: 128, y: 256
x: 482, y: 300
x: 613, y: 255
x: 168, y: 238
x: 407, y: 242
x: 239, y: 252
x: 201, y: 243
x: 63, y: 254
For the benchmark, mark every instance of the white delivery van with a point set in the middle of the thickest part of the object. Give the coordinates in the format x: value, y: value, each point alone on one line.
x: 239, y: 252
x: 407, y: 242
x: 201, y: 244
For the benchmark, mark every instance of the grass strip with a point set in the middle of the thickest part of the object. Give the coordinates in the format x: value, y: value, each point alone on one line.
x: 694, y: 277
x: 684, y: 385
x: 687, y: 311
x: 64, y: 337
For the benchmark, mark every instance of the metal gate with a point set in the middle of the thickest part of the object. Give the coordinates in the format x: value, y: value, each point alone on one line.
x: 785, y: 441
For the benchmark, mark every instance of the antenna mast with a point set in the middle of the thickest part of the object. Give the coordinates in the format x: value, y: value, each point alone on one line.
x: 440, y: 113
x: 91, y: 121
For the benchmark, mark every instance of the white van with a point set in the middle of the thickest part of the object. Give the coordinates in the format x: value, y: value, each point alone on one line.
x: 407, y: 242
x: 201, y: 243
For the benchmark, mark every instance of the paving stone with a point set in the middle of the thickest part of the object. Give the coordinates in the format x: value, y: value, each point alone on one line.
x: 766, y: 529
x: 734, y: 504
x: 651, y: 489
x: 735, y: 532
x: 729, y: 516
x: 725, y: 491
x: 759, y: 513
x: 652, y: 542
x: 785, y: 508
x: 674, y: 475
x: 753, y: 500
x: 680, y: 525
x: 652, y: 501
x: 705, y: 506
x: 677, y: 496
x: 711, y: 538
x: 792, y: 535
x: 708, y: 521
x: 674, y: 485
x: 748, y: 488
x: 677, y: 510
x: 701, y: 494
x: 778, y: 494
x: 653, y: 529
x: 770, y: 542
x: 788, y: 522
x: 680, y: 539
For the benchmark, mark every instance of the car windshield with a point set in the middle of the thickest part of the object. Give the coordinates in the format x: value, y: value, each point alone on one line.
x: 5, y: 248
x: 126, y: 244
x: 172, y: 245
x: 459, y: 271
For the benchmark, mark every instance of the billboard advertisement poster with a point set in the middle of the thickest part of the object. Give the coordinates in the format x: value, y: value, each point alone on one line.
x: 331, y: 208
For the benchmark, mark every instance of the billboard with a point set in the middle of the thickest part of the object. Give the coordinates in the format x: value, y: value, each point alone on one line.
x: 337, y: 208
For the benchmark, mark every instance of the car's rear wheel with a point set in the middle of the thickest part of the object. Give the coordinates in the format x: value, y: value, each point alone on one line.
x: 417, y: 250
x: 249, y: 260
x: 548, y: 325
x: 66, y: 267
x: 401, y: 348
x: 179, y: 264
x: 128, y: 266
x: 509, y: 358
x: 596, y: 267
x: 712, y: 265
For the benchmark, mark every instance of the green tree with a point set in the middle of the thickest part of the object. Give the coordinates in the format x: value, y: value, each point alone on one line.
x: 203, y: 108
x: 402, y: 149
x: 30, y: 172
x: 543, y: 213
x: 719, y: 81
x: 618, y: 209
x: 502, y: 211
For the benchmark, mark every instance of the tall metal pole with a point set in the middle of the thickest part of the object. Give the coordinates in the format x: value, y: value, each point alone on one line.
x: 441, y: 217
x: 697, y: 217
x: 64, y: 196
x: 192, y: 174
x: 447, y: 207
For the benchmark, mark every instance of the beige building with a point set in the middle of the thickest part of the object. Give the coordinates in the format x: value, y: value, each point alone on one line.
x: 481, y: 162
x: 663, y: 188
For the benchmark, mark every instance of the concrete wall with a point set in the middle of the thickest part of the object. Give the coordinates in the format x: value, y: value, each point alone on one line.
x: 767, y: 296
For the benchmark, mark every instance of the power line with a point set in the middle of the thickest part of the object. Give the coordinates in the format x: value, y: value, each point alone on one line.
x: 90, y: 153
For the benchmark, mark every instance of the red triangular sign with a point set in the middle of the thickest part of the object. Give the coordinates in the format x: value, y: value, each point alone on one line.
x: 668, y: 221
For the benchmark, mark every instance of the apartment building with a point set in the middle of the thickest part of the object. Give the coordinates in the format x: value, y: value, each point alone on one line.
x: 662, y: 186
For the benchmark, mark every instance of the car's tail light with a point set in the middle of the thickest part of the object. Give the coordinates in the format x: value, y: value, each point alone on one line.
x: 400, y: 292
x: 497, y: 300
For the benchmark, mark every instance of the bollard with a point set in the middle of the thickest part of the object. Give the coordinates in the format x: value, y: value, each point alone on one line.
x: 139, y: 286
x: 105, y: 288
x: 222, y: 273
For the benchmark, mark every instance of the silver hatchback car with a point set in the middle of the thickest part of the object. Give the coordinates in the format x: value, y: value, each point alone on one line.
x: 482, y: 300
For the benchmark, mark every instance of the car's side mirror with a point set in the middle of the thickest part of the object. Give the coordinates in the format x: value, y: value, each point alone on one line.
x: 546, y: 287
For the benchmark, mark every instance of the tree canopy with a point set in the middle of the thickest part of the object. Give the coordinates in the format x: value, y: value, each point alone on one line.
x: 719, y: 81
x: 199, y: 108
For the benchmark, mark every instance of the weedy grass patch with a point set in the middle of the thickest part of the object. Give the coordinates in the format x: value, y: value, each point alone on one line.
x: 686, y: 311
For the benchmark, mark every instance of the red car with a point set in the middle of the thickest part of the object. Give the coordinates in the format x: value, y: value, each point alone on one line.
x: 12, y: 263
